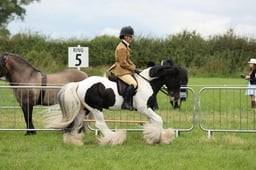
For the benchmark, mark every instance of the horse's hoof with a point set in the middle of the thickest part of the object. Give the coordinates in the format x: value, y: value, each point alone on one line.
x: 28, y: 133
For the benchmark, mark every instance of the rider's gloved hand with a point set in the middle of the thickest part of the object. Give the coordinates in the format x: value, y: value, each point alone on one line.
x: 137, y: 71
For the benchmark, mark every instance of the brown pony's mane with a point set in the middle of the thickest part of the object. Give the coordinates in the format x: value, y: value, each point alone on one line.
x: 18, y: 58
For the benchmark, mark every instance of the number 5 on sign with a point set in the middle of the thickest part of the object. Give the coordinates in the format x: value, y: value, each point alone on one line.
x: 78, y: 57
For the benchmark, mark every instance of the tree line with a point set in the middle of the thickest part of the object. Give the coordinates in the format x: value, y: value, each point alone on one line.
x: 222, y: 54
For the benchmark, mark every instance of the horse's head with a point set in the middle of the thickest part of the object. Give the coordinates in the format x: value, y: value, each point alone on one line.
x: 3, y: 70
x: 168, y: 76
x: 183, y: 81
x: 172, y: 81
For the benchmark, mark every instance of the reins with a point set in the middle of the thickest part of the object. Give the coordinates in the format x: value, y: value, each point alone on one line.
x: 162, y: 89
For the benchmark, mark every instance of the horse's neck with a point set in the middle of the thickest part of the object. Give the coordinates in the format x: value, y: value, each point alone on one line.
x: 19, y: 75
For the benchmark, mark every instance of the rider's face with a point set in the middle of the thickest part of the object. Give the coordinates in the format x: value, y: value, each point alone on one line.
x: 128, y: 38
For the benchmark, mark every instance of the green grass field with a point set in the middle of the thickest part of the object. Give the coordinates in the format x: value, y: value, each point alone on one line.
x: 192, y: 150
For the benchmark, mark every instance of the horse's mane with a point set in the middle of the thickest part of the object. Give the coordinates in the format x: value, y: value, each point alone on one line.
x: 18, y: 58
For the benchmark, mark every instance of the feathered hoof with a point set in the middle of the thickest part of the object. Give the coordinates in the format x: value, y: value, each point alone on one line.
x: 73, y: 138
x: 113, y: 138
x: 167, y: 136
x: 154, y: 134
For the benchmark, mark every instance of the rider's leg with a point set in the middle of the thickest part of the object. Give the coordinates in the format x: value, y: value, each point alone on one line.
x: 127, y: 104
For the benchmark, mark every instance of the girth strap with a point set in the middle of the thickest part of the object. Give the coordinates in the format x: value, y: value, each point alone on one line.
x: 42, y: 91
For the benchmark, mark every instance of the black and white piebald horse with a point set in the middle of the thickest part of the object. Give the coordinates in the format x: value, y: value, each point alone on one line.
x: 97, y: 93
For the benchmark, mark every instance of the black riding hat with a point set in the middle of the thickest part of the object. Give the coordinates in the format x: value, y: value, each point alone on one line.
x: 127, y: 30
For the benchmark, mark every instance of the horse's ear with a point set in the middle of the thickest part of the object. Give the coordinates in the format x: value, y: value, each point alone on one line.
x: 158, y: 71
x: 169, y: 62
x: 5, y: 58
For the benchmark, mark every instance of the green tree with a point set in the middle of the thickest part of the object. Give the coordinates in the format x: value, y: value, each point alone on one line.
x: 11, y: 10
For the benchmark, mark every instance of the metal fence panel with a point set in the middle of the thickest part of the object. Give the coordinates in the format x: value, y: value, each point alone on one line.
x: 226, y: 109
x: 182, y: 120
x: 11, y: 116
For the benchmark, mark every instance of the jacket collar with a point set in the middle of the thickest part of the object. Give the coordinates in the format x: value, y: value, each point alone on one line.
x: 125, y: 43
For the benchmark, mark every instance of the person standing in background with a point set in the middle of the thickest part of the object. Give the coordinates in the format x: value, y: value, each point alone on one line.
x: 251, y: 78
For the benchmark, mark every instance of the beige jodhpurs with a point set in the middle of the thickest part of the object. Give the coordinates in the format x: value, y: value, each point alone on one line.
x: 127, y: 78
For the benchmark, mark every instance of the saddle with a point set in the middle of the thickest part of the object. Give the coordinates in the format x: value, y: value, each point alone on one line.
x: 121, y: 85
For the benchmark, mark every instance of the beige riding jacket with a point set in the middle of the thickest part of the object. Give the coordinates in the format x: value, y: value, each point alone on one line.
x: 123, y: 64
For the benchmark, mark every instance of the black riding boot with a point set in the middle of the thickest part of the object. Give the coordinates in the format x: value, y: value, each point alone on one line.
x: 127, y: 104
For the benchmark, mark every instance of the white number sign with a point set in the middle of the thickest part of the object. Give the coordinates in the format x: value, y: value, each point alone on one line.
x: 78, y: 56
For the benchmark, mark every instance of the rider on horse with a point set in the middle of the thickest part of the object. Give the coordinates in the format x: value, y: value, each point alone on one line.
x: 123, y: 67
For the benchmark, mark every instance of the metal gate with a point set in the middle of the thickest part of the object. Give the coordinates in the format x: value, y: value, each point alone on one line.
x: 182, y: 120
x: 225, y: 109
x: 11, y: 115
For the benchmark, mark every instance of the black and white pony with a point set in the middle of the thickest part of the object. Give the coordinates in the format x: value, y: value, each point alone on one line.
x: 97, y: 93
x: 176, y: 103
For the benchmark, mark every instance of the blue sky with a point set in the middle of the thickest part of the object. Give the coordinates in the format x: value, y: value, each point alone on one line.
x: 155, y: 18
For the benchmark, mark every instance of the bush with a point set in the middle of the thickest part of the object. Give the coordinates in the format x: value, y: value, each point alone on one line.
x: 220, y: 54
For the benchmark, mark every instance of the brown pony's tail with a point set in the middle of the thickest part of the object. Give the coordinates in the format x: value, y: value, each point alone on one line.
x: 70, y: 107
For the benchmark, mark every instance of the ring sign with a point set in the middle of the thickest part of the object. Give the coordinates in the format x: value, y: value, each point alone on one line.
x: 78, y: 56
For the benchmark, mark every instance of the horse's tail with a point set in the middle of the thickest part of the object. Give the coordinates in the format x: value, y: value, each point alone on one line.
x: 69, y: 105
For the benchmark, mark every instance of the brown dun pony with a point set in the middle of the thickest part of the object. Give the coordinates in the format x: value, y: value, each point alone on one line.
x: 18, y: 72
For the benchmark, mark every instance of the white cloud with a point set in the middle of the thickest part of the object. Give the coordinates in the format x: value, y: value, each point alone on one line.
x: 110, y: 31
x: 65, y: 18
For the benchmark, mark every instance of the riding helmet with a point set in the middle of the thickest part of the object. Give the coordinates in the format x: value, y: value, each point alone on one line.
x: 127, y: 30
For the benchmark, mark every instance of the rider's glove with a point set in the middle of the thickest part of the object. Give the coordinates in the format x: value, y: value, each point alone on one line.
x: 137, y: 71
